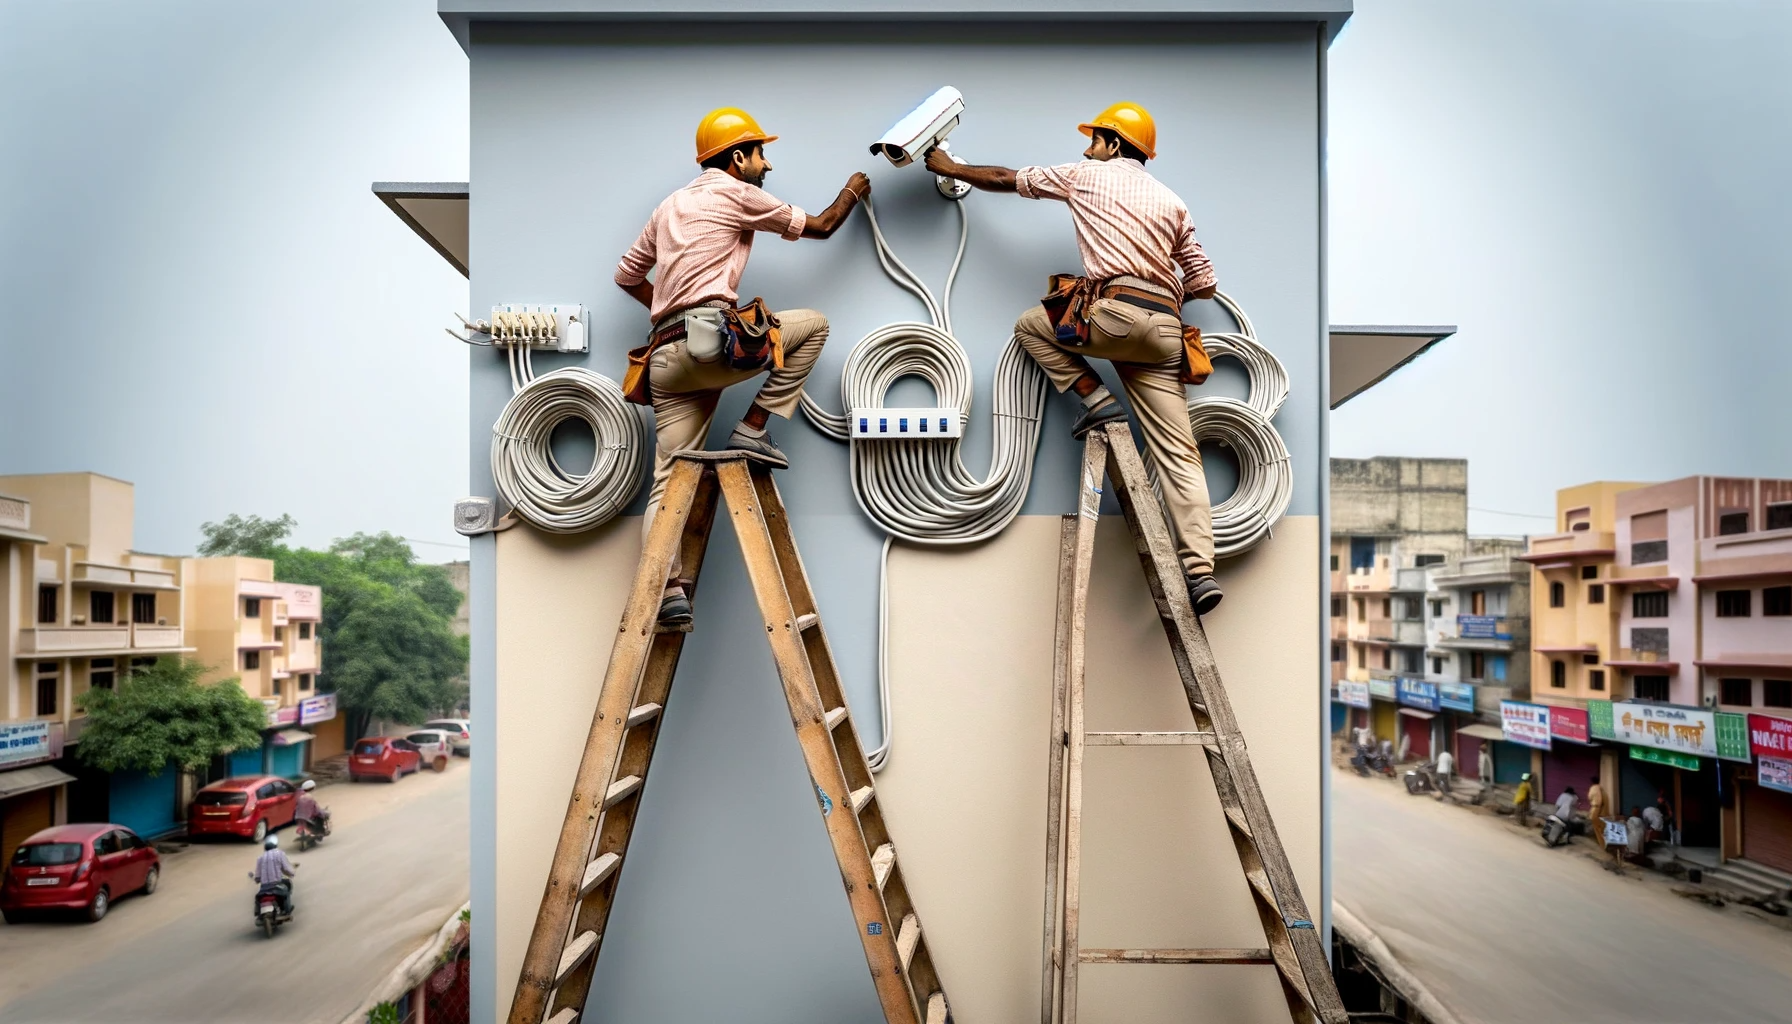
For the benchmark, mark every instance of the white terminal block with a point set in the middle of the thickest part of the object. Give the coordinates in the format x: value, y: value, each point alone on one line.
x: 904, y: 424
x: 554, y: 327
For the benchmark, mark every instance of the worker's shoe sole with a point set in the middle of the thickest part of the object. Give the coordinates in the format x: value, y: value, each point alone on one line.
x: 1112, y: 412
x: 761, y: 447
x: 1204, y: 593
x: 675, y: 611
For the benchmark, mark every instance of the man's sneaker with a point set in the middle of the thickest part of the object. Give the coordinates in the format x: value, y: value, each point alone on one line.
x: 761, y: 447
x: 1096, y: 417
x: 675, y: 609
x: 1204, y: 593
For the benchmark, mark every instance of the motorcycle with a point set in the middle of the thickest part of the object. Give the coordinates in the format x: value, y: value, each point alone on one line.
x: 1370, y: 761
x: 1556, y: 831
x: 268, y: 913
x: 1421, y: 778
x: 312, y: 832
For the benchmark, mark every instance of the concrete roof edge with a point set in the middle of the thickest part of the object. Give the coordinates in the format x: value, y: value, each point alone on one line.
x: 459, y: 15
x: 1395, y: 330
x: 420, y: 189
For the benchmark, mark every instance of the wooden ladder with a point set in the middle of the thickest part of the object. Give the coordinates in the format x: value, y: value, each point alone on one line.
x: 1294, y: 946
x: 588, y: 860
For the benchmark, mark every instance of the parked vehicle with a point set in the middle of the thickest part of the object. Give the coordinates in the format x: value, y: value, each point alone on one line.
x: 77, y: 867
x: 247, y: 806
x: 460, y: 730
x: 1421, y: 778
x: 1556, y: 831
x: 434, y: 747
x: 268, y: 913
x: 383, y: 757
x: 1371, y: 761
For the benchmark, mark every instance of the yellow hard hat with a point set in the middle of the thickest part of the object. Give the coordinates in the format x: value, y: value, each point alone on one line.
x: 724, y: 127
x: 1131, y: 122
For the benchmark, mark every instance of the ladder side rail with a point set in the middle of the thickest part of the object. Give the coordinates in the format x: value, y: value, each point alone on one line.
x: 618, y: 823
x: 1206, y: 691
x: 1050, y: 968
x: 628, y: 656
x: 826, y: 773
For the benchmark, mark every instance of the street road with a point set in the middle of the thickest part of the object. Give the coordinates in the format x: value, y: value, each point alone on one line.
x: 1503, y: 930
x: 393, y: 870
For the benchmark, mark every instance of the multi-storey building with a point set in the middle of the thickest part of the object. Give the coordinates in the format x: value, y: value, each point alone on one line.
x: 1477, y: 642
x: 81, y: 608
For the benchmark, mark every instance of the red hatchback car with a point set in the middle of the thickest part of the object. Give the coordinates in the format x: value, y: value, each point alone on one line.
x: 77, y: 867
x: 383, y: 757
x: 249, y: 806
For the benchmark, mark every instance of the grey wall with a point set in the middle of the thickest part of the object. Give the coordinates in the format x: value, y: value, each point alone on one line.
x: 1239, y: 123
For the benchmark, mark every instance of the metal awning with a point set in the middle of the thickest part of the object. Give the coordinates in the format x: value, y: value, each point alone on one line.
x: 1482, y: 732
x: 291, y: 737
x: 30, y: 780
x: 1363, y: 356
x: 1416, y: 713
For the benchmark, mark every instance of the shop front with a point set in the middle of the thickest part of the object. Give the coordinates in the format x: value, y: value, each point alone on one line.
x: 1384, y: 712
x: 1674, y: 757
x: 31, y: 790
x: 1572, y: 758
x: 1418, y: 712
x: 317, y: 715
x: 1765, y: 801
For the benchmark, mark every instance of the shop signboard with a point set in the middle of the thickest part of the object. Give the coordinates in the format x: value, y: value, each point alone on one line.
x: 1657, y: 755
x: 1666, y: 727
x: 1480, y: 627
x: 322, y: 708
x: 22, y: 742
x: 1382, y: 689
x: 1417, y: 693
x: 1732, y: 737
x: 1456, y: 696
x: 280, y: 717
x: 1526, y: 724
x: 1617, y: 833
x: 1354, y: 694
x: 1775, y: 773
x: 1568, y: 723
x: 1769, y: 736
x: 1599, y: 720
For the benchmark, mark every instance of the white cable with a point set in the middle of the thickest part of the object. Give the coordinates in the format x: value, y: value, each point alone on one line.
x: 523, y: 463
x: 1268, y: 377
x: 1265, y: 478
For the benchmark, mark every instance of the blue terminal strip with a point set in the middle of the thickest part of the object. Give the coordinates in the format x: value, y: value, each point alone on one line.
x: 883, y: 426
x: 864, y: 424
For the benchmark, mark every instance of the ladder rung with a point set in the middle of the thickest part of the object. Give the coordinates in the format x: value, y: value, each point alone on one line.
x: 861, y: 797
x: 643, y: 714
x: 1175, y: 956
x: 907, y: 938
x: 936, y: 1009
x: 596, y: 872
x: 835, y: 717
x: 1260, y: 882
x: 805, y: 623
x: 881, y: 863
x: 1235, y: 815
x: 683, y: 627
x: 1149, y: 739
x: 566, y: 1016
x: 620, y: 789
x: 576, y: 952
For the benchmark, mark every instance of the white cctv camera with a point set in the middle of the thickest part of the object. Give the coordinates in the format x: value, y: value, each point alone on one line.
x: 922, y: 129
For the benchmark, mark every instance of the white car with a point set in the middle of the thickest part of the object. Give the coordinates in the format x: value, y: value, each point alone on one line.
x: 459, y: 730
x: 434, y: 747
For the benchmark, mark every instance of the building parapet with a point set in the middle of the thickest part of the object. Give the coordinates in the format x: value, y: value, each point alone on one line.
x: 1569, y: 547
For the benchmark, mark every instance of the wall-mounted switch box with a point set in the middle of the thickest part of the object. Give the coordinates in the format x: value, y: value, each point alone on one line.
x: 887, y: 424
x: 549, y: 326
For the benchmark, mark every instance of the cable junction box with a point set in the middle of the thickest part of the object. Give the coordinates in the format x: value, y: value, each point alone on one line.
x: 552, y: 327
x: 905, y: 424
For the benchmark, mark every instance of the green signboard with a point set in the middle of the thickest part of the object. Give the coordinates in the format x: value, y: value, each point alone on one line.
x: 1599, y: 720
x: 1732, y: 737
x: 1667, y: 757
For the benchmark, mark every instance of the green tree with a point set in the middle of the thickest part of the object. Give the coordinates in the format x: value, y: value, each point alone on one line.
x: 161, y: 713
x: 245, y: 535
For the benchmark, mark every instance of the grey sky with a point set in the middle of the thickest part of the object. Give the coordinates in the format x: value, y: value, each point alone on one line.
x: 205, y: 299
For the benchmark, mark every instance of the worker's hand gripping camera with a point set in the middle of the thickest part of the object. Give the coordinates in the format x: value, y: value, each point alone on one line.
x: 923, y: 129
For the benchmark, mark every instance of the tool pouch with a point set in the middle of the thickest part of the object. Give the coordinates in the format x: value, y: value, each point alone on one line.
x: 636, y: 387
x: 1196, y: 367
x: 751, y: 339
x: 1066, y: 303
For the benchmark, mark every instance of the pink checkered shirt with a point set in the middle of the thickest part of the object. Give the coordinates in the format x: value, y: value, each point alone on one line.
x: 700, y: 237
x: 1127, y: 222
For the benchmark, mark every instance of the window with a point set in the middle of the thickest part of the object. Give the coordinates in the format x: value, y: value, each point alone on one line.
x: 1734, y: 604
x: 1334, y: 563
x: 1361, y: 614
x: 1648, y: 551
x: 1387, y: 659
x: 46, y: 693
x: 1337, y: 612
x: 1776, y: 693
x: 1558, y: 595
x: 46, y: 604
x: 305, y: 679
x: 1437, y: 666
x: 1437, y: 609
x: 141, y: 663
x: 1650, y: 687
x: 1589, y: 572
x: 305, y: 627
x: 1740, y: 692
x: 101, y: 672
x: 1362, y: 657
x: 1477, y: 602
x: 1362, y: 553
x: 280, y: 634
x: 277, y: 687
x: 1732, y: 522
x: 1596, y: 679
x: 1779, y: 517
x: 1649, y: 538
x: 1411, y: 661
x: 1477, y: 665
x: 1558, y: 674
x: 1589, y: 659
x: 251, y: 607
x: 143, y: 608
x: 1651, y: 604
x: 1423, y: 560
x: 266, y: 792
x: 251, y: 660
x: 1578, y: 519
x: 99, y: 606
x: 1776, y: 601
x: 1387, y: 607
x: 1595, y: 593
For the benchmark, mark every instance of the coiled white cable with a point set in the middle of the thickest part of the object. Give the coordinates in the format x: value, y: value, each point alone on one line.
x: 1265, y: 478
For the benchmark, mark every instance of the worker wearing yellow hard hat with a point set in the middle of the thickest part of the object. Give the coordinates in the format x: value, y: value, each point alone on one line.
x: 1141, y: 262
x: 696, y: 245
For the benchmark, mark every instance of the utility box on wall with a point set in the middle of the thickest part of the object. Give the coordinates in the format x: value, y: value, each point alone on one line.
x: 730, y: 906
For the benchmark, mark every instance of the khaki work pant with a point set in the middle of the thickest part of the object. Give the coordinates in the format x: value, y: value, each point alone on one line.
x: 685, y: 393
x: 1146, y: 350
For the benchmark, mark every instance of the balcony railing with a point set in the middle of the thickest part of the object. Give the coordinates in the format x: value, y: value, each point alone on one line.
x: 153, y: 638
x: 1370, y: 580
x: 62, y: 640
x: 15, y: 513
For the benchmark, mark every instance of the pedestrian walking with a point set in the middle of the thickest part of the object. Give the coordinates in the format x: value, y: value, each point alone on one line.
x: 1484, y: 768
x: 1636, y: 833
x: 1446, y: 765
x: 1595, y: 801
x: 1521, y: 802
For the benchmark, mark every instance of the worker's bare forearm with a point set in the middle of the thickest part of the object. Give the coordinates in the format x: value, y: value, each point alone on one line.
x: 987, y: 177
x: 828, y: 221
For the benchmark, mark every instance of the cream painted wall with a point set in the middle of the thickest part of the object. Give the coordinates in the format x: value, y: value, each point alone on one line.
x: 965, y: 789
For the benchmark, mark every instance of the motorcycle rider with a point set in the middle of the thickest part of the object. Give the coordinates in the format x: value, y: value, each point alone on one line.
x: 307, y: 811
x: 273, y: 869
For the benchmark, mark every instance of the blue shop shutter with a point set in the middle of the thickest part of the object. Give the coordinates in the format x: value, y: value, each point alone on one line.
x: 289, y: 761
x: 246, y: 761
x: 144, y: 803
x: 1499, y: 668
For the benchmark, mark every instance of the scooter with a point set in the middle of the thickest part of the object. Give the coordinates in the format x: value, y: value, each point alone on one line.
x: 1421, y: 778
x: 1369, y: 761
x: 268, y: 915
x: 310, y: 834
x: 1556, y: 831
